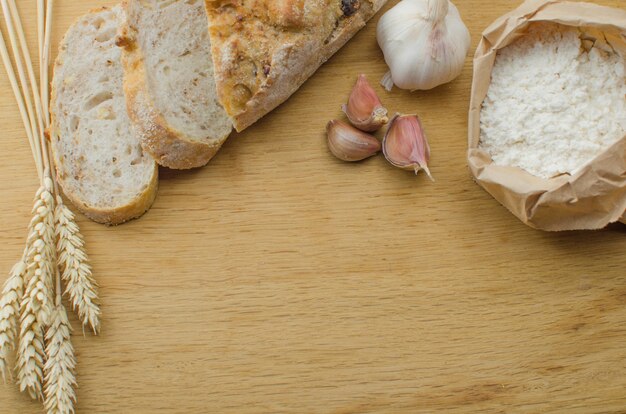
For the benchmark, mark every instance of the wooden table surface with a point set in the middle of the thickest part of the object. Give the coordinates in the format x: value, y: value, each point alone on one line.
x: 280, y: 280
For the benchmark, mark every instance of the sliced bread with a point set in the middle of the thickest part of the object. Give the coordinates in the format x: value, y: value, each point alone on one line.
x: 99, y: 161
x: 169, y: 84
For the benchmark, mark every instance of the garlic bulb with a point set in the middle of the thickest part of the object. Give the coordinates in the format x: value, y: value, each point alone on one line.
x: 425, y: 44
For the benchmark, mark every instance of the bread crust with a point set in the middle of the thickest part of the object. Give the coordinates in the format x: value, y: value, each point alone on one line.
x: 292, y: 62
x: 169, y: 147
x: 113, y: 216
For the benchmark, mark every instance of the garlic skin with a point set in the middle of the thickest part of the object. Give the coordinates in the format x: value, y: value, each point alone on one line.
x: 364, y: 109
x: 425, y: 43
x: 405, y: 145
x: 350, y: 144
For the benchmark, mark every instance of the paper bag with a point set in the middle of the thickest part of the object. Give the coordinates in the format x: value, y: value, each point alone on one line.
x: 593, y: 197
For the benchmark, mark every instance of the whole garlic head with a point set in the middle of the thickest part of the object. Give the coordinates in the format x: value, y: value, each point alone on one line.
x: 425, y: 43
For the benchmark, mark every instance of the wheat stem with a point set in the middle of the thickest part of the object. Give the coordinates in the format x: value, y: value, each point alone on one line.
x: 40, y: 35
x: 33, y: 80
x: 45, y: 63
x: 34, y: 86
x: 31, y: 91
x: 11, y: 22
x: 24, y: 111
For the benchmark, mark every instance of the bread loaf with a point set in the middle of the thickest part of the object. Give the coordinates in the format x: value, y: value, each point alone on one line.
x: 264, y: 50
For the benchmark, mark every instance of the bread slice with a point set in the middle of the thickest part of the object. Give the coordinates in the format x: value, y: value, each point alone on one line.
x: 169, y: 82
x: 99, y: 160
x: 264, y: 50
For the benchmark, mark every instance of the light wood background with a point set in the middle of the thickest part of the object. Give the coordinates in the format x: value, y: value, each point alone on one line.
x: 280, y: 280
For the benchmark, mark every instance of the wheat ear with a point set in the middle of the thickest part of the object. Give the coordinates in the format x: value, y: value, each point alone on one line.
x: 76, y: 272
x: 60, y: 395
x: 9, y: 315
x: 37, y: 303
x: 42, y: 255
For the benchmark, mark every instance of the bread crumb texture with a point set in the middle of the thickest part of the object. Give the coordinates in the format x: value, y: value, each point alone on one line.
x: 99, y: 159
x: 552, y: 105
x: 174, y: 40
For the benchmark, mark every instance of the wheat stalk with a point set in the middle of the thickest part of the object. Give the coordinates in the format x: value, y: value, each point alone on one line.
x: 40, y: 41
x: 9, y: 315
x: 61, y: 362
x: 41, y: 255
x: 37, y: 305
x: 24, y: 66
x: 34, y: 146
x: 76, y: 272
x: 30, y: 356
x: 54, y: 245
x: 45, y: 61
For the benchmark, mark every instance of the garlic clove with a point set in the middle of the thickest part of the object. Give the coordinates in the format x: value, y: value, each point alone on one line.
x: 364, y: 109
x: 405, y: 145
x: 348, y: 143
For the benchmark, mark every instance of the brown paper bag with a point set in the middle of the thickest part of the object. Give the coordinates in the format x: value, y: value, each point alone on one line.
x: 593, y: 197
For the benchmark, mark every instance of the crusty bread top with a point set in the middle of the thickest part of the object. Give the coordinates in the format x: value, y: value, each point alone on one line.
x: 172, y: 37
x: 99, y: 160
x: 263, y: 50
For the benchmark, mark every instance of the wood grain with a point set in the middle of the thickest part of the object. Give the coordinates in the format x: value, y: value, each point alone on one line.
x: 279, y: 280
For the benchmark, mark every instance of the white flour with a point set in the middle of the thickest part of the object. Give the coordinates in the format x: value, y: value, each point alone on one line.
x: 552, y: 107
